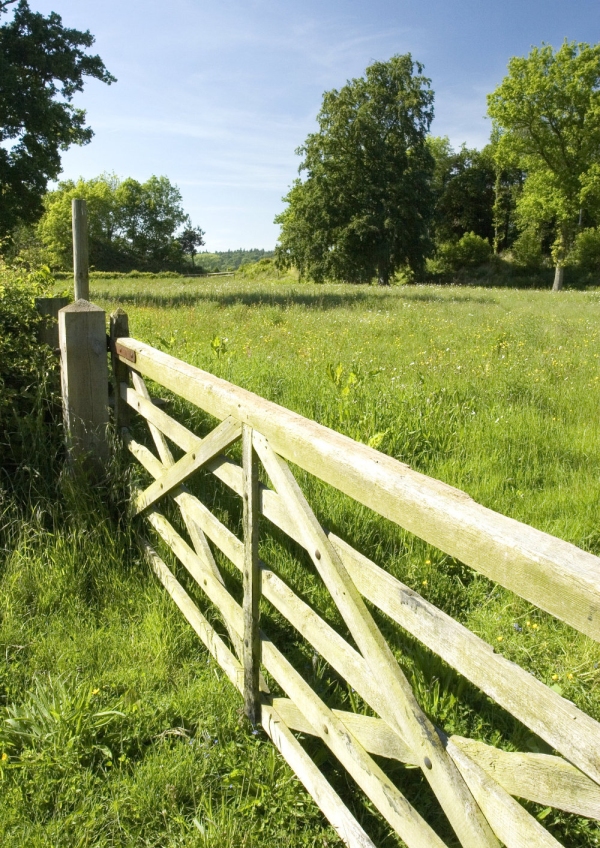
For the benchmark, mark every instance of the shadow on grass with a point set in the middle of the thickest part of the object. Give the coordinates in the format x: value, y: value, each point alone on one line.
x: 284, y: 300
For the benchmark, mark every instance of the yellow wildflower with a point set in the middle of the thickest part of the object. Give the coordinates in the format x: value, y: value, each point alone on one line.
x: 424, y: 582
x: 500, y: 638
x: 4, y: 756
x: 570, y: 676
x: 555, y: 677
x: 535, y: 626
x: 95, y: 691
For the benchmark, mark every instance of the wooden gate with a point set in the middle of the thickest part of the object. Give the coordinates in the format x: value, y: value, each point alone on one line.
x: 475, y: 784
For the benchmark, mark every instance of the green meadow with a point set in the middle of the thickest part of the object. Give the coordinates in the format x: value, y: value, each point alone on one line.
x: 118, y: 729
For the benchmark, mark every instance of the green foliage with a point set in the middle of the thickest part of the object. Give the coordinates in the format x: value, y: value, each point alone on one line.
x: 586, y: 250
x: 363, y: 207
x: 190, y: 240
x: 232, y: 259
x: 59, y: 725
x: 470, y: 251
x: 131, y: 224
x: 23, y: 361
x: 546, y: 116
x: 527, y: 249
x: 42, y: 67
x: 463, y: 184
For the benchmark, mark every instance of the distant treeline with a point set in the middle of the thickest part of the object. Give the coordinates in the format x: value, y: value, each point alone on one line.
x: 230, y: 260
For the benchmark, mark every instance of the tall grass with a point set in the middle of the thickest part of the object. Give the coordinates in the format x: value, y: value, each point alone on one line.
x: 118, y: 729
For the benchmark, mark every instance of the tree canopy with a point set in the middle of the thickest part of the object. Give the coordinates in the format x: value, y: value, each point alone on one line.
x: 131, y: 224
x: 42, y: 66
x: 364, y: 204
x: 546, y: 115
x: 463, y: 184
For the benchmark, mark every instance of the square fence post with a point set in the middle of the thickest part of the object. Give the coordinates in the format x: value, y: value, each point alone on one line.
x: 84, y: 378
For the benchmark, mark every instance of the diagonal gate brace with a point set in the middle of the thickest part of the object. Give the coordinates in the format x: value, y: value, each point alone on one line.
x: 228, y: 432
x: 402, y: 711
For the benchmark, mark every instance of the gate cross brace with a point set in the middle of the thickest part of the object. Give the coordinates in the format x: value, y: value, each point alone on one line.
x: 403, y: 712
x: 228, y: 432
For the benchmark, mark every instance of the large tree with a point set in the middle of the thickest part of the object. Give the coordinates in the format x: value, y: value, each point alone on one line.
x: 131, y: 224
x: 42, y: 66
x: 463, y: 184
x: 546, y: 115
x: 363, y: 206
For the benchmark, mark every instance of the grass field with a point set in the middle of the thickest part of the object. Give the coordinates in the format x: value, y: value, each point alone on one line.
x: 494, y: 391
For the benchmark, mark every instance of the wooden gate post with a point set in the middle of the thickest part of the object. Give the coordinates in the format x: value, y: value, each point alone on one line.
x: 119, y: 328
x: 251, y: 642
x: 84, y: 376
x: 80, y: 249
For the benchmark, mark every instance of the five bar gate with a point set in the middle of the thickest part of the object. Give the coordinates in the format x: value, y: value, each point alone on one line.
x: 475, y: 784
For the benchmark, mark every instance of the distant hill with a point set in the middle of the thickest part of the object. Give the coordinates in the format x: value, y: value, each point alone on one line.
x: 230, y: 260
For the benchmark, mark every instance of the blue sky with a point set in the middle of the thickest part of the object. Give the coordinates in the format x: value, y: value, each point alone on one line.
x: 218, y: 95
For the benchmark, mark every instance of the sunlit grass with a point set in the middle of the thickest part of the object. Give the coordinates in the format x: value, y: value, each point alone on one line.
x: 491, y: 390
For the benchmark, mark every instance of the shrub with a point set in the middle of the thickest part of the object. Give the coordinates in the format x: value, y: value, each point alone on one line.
x: 24, y: 363
x: 470, y: 251
x: 586, y: 250
x: 527, y: 250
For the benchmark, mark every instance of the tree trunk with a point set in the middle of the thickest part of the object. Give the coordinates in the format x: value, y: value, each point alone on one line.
x: 559, y: 275
x: 383, y: 280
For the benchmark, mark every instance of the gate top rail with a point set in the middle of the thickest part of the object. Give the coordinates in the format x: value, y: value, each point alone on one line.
x: 555, y: 575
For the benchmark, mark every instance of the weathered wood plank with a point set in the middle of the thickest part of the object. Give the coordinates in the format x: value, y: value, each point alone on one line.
x: 211, y: 639
x: 549, y: 572
x: 386, y: 797
x: 119, y: 326
x: 180, y: 435
x: 307, y: 772
x: 511, y: 823
x: 558, y: 721
x: 221, y: 437
x: 346, y: 826
x: 543, y: 710
x: 251, y: 581
x: 542, y: 778
x: 404, y: 712
x: 374, y: 734
x: 164, y: 451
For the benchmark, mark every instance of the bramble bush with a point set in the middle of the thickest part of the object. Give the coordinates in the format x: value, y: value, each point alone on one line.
x: 25, y: 364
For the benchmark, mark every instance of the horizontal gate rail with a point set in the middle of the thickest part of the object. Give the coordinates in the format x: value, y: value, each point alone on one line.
x: 475, y: 783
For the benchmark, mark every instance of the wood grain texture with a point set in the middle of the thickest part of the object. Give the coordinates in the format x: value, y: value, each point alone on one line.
x: 84, y: 378
x: 386, y: 797
x: 119, y: 326
x: 558, y: 721
x: 80, y: 249
x: 251, y: 581
x: 346, y: 826
x: 511, y: 823
x: 403, y: 713
x: 544, y: 779
x: 553, y: 574
x: 221, y: 437
x: 344, y: 823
